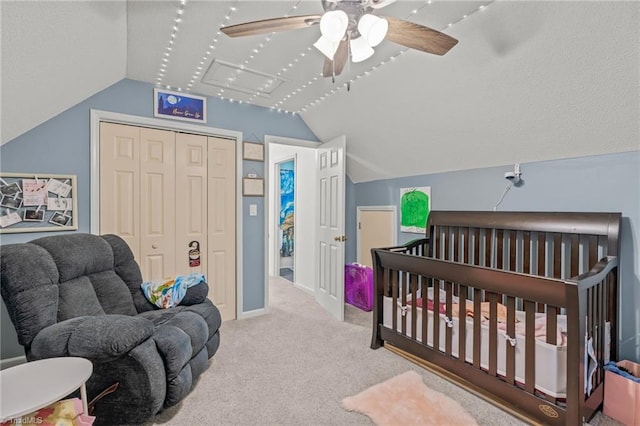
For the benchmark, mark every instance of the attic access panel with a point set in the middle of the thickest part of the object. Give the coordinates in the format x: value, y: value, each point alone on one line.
x: 242, y: 79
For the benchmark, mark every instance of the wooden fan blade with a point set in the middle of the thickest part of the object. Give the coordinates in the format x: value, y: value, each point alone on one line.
x: 336, y: 66
x: 419, y: 37
x: 271, y: 25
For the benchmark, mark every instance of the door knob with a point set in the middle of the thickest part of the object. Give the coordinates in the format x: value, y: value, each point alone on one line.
x: 340, y: 238
x: 336, y: 239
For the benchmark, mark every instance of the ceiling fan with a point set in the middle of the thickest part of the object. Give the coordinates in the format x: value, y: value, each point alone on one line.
x: 350, y: 27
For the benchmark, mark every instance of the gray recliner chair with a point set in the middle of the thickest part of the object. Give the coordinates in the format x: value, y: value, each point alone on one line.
x: 79, y: 295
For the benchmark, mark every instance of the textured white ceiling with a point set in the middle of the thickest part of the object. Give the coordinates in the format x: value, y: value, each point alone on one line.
x: 55, y: 55
x: 529, y: 80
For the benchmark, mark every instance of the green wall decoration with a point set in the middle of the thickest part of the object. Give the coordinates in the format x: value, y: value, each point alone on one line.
x: 415, y: 205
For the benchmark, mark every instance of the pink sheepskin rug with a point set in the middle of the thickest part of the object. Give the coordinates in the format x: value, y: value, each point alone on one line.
x: 406, y: 400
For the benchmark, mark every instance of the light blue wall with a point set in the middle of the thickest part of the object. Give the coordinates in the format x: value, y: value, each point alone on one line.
x: 598, y: 183
x: 61, y: 146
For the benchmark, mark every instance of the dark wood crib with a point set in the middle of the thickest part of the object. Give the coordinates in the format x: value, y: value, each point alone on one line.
x: 486, y: 296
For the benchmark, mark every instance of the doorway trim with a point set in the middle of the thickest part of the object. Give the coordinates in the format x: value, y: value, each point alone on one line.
x: 394, y: 214
x: 279, y: 140
x: 276, y: 210
x: 98, y: 116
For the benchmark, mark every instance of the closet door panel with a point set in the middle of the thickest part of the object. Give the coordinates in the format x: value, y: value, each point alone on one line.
x: 191, y: 203
x: 120, y: 183
x: 157, y: 204
x: 222, y: 225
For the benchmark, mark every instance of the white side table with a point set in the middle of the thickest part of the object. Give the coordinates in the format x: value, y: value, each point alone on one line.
x: 28, y: 387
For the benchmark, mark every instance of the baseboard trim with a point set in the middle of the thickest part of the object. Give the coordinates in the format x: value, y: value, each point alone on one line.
x: 11, y: 362
x: 307, y: 290
x: 251, y: 314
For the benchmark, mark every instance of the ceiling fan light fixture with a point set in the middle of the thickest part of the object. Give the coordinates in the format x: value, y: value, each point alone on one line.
x: 327, y: 47
x: 373, y: 29
x: 333, y: 25
x: 360, y: 49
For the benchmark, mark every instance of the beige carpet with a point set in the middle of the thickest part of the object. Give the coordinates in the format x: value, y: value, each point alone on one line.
x: 295, y: 365
x: 406, y: 400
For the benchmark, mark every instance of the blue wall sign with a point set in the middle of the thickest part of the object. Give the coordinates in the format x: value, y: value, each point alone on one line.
x: 179, y: 106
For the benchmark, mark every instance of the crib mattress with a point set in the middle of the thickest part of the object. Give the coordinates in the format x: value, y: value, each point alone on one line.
x: 550, y: 360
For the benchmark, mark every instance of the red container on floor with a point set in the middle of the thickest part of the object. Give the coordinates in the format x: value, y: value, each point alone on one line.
x: 358, y: 286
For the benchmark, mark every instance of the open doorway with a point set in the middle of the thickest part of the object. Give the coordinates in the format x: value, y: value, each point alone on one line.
x: 285, y: 200
x: 319, y: 218
x: 292, y: 215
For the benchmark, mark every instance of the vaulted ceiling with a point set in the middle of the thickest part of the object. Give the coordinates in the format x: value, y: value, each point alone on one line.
x: 528, y: 80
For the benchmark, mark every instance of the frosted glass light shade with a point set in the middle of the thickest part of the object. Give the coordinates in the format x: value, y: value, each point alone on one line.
x: 327, y: 47
x: 360, y: 49
x: 373, y: 29
x: 334, y: 24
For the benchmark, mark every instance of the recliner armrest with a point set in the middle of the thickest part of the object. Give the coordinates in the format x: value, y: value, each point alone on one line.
x: 98, y: 338
x: 196, y: 294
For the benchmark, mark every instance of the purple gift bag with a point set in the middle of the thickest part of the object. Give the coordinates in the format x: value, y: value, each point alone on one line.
x: 358, y: 286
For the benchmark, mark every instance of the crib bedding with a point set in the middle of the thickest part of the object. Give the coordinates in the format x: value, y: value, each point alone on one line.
x: 550, y: 360
x: 540, y: 326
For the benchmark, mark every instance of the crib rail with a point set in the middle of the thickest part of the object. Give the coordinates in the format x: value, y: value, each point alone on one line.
x: 514, y: 272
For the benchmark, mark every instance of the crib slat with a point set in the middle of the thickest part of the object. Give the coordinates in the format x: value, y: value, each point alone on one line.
x: 542, y: 261
x: 446, y: 243
x: 488, y: 250
x: 526, y: 252
x: 517, y: 243
x: 552, y: 324
x: 477, y: 341
x: 529, y: 347
x: 575, y: 251
x: 425, y: 312
x: 474, y: 247
x: 493, y: 333
x: 510, y: 256
x: 436, y: 315
x: 593, y: 251
x: 499, y: 249
x: 386, y: 278
x: 414, y: 306
x: 403, y: 292
x: 602, y: 327
x: 583, y: 254
x: 603, y: 312
x: 455, y: 247
x: 556, y: 257
x: 465, y: 244
x: 394, y: 298
x: 462, y: 324
x: 448, y: 335
x: 603, y: 247
x: 511, y: 332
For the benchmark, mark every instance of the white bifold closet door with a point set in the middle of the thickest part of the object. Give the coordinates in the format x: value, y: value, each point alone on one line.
x: 161, y: 191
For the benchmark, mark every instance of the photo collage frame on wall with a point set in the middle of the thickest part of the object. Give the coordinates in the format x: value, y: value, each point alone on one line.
x: 37, y: 202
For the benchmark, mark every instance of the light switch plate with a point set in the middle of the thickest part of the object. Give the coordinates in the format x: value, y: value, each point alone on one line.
x: 253, y: 210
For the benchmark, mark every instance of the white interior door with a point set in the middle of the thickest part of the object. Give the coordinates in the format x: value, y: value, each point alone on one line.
x: 331, y: 235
